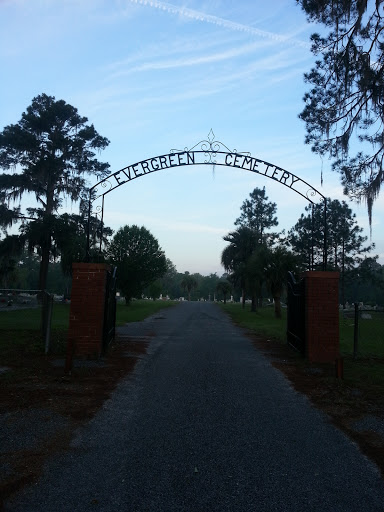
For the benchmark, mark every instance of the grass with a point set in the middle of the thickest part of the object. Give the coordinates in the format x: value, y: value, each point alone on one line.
x: 30, y: 318
x: 262, y: 322
x: 20, y: 332
x: 20, y: 329
x: 371, y: 335
x: 139, y: 310
x: 371, y: 330
x: 20, y: 319
x: 366, y: 371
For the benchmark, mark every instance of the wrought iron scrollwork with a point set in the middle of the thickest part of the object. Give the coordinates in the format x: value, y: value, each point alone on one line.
x: 210, y: 147
x: 104, y: 184
x: 208, y: 151
x: 312, y: 193
x: 98, y: 212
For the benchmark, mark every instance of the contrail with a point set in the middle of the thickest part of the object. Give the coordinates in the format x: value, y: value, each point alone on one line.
x: 221, y: 22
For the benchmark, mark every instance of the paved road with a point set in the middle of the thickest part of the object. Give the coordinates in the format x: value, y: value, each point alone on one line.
x: 206, y: 424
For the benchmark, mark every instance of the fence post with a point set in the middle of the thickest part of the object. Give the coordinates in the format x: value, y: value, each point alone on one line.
x: 356, y: 331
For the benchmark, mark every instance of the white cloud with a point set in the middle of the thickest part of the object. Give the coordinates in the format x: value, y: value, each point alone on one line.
x: 114, y: 219
x: 184, y: 61
x: 221, y: 22
x: 190, y: 87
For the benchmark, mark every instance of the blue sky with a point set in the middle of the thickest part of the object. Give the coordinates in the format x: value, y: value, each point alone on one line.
x: 153, y: 76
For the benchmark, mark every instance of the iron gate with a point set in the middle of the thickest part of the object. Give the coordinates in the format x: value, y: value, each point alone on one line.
x: 109, y: 309
x: 296, y: 313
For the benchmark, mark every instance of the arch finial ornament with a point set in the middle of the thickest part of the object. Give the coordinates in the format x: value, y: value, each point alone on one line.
x: 210, y: 147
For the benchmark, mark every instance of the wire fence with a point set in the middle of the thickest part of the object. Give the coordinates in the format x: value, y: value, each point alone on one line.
x: 19, y: 299
x: 362, y: 332
x: 27, y: 310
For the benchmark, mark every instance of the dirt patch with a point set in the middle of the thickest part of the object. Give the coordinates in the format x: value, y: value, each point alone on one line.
x: 41, y: 407
x: 355, y: 408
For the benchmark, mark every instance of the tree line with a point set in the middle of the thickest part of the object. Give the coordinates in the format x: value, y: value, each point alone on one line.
x: 258, y: 259
x: 51, y: 153
x: 173, y: 284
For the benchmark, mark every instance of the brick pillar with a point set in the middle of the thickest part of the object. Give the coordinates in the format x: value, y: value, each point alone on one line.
x: 85, y: 335
x: 322, y: 316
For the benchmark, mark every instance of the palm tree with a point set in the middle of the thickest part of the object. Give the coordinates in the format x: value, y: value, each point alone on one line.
x: 234, y: 257
x: 188, y: 283
x: 255, y: 274
x: 224, y: 287
x: 280, y: 261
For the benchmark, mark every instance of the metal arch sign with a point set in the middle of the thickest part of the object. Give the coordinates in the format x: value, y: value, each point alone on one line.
x: 207, y: 152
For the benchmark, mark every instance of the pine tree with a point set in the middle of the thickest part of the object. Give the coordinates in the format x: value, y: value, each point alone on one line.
x: 345, y: 242
x: 258, y: 214
x: 344, y: 112
x: 48, y: 153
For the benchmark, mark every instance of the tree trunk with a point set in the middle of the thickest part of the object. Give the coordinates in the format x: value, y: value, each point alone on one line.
x: 261, y: 293
x: 277, y: 302
x: 343, y: 275
x: 225, y: 298
x: 43, y: 273
x: 243, y: 298
x: 253, y: 304
x: 47, y: 238
x: 45, y: 253
x: 43, y: 277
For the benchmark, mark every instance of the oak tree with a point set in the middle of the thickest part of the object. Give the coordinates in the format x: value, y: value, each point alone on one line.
x: 139, y: 260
